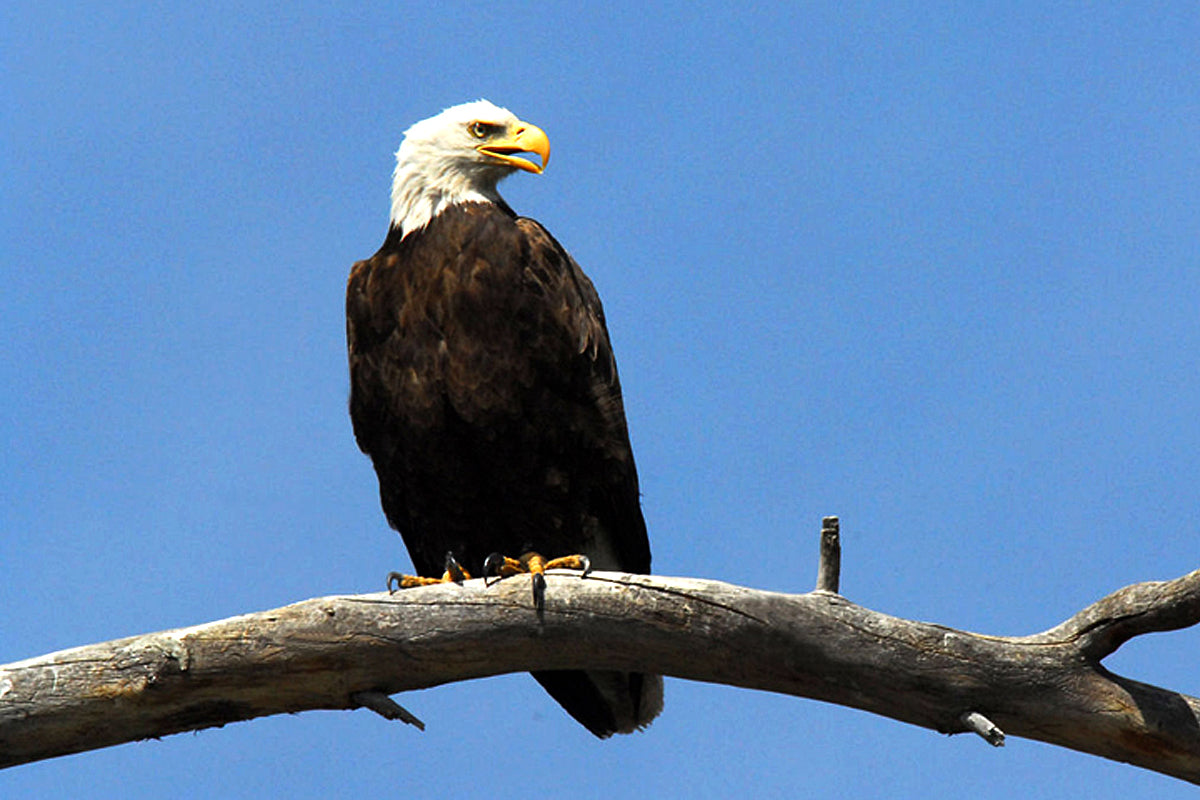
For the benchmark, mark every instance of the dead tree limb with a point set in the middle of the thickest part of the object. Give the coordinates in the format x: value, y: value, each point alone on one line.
x: 346, y: 652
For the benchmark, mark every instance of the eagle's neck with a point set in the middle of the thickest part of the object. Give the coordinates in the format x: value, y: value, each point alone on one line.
x: 424, y: 185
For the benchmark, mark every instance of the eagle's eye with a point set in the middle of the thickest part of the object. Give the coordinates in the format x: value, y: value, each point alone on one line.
x: 481, y: 130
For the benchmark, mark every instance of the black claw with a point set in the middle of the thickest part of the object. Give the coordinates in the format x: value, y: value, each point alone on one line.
x: 491, y: 567
x: 454, y: 569
x: 539, y: 592
x: 398, y: 577
x: 587, y: 566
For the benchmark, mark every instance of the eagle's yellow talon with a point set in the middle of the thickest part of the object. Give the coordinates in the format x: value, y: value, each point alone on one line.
x: 500, y: 566
x: 454, y: 574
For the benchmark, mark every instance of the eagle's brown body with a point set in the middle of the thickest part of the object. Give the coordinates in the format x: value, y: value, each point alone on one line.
x: 483, y: 388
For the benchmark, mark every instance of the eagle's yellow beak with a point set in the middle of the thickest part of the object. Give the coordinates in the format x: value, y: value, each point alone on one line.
x: 521, y: 137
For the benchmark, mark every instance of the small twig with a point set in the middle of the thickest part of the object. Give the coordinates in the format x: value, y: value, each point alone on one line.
x: 829, y: 571
x: 386, y: 707
x: 983, y: 726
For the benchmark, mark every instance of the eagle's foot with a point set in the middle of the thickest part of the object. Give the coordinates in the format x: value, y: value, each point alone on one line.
x: 501, y: 566
x: 454, y: 574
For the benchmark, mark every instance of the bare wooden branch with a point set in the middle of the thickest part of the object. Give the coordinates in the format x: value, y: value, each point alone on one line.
x: 386, y: 707
x: 323, y: 653
x: 1149, y: 607
x: 974, y: 721
x: 829, y: 569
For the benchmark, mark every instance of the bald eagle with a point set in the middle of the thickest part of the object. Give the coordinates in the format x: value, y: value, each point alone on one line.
x: 483, y: 385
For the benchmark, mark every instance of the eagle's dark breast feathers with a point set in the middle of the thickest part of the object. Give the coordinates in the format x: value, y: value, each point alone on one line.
x: 484, y: 389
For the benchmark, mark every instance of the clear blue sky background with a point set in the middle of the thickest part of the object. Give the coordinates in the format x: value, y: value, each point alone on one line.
x: 932, y: 268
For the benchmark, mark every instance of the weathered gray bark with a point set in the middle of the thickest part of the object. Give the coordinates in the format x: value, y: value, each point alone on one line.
x: 343, y: 652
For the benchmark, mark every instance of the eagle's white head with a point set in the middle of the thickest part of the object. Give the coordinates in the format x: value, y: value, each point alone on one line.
x: 459, y: 156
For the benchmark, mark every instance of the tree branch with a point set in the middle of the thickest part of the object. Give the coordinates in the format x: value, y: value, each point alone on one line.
x: 345, y: 652
x: 829, y: 569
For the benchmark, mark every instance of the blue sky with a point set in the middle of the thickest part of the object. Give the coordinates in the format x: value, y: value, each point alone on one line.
x: 931, y: 268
